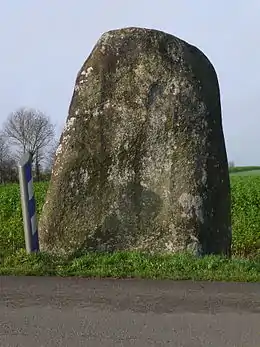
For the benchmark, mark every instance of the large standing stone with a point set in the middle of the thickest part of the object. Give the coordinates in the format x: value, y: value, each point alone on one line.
x: 141, y: 163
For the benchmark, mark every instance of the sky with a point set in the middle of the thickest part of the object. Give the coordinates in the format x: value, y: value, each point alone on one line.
x: 44, y: 44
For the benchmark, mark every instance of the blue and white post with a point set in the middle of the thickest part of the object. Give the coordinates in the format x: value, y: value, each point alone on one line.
x: 28, y: 203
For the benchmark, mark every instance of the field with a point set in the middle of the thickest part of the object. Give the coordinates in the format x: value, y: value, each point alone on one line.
x: 245, y: 265
x: 245, y: 170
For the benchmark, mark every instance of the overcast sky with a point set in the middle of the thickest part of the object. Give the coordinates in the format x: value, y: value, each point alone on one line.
x: 44, y: 43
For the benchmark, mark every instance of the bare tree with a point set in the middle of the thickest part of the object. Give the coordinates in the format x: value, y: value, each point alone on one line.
x: 4, y: 156
x: 49, y: 161
x: 51, y: 155
x: 4, y: 149
x: 30, y: 130
x: 8, y: 170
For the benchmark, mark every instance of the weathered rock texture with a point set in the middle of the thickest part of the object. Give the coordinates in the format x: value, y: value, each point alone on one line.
x: 141, y: 163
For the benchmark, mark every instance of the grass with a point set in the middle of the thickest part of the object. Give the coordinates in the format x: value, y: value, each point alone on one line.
x: 246, y: 173
x: 244, y: 266
x: 245, y: 214
x: 11, y: 232
x: 133, y: 264
x: 244, y: 170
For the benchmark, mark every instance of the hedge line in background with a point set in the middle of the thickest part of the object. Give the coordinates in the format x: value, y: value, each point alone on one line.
x: 236, y: 169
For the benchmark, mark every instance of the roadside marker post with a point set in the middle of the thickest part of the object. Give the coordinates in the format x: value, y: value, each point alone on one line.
x: 28, y: 203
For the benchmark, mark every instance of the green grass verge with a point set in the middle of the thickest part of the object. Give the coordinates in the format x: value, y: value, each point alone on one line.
x: 133, y: 265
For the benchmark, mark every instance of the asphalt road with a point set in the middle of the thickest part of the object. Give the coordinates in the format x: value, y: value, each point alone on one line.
x: 45, y: 311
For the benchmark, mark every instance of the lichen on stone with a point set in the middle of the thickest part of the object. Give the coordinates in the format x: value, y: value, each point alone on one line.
x: 141, y: 163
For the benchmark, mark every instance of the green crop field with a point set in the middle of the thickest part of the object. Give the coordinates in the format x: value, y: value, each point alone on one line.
x: 244, y: 266
x: 245, y: 193
x: 245, y: 170
x: 246, y: 173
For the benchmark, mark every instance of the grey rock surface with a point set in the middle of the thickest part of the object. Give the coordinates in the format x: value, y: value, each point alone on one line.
x: 142, y: 162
